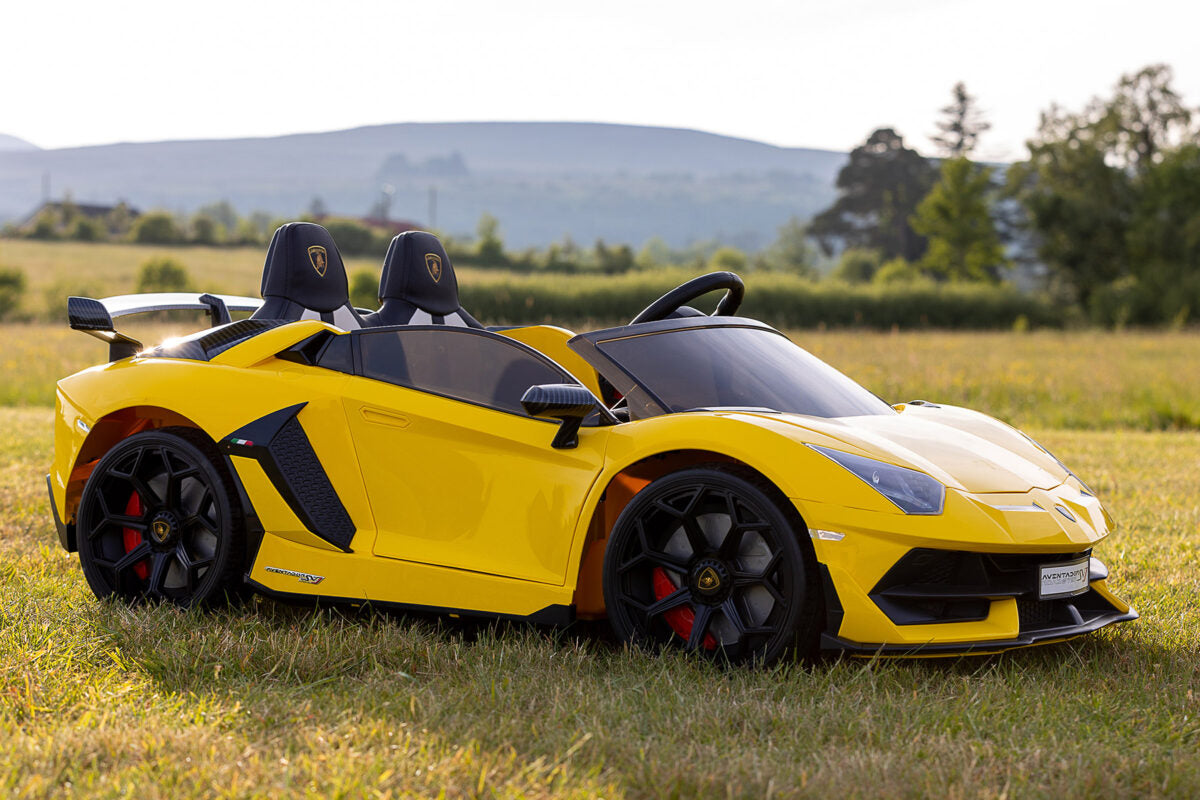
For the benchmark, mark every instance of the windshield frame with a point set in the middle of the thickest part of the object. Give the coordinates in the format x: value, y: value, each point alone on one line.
x: 589, y: 347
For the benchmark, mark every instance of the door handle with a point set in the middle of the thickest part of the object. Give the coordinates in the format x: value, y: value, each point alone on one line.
x: 379, y: 416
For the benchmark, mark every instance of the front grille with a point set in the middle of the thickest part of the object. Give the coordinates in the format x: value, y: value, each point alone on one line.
x: 928, y: 585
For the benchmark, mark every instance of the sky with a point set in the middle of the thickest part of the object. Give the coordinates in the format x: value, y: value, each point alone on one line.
x: 796, y: 74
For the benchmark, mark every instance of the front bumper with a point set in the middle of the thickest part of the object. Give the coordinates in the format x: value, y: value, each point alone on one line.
x: 964, y: 581
x: 1038, y: 622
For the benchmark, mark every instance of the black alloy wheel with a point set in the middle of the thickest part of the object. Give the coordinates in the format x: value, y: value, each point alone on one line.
x: 708, y: 561
x: 158, y: 519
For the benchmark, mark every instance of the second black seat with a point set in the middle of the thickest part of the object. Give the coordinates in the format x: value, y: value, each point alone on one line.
x: 418, y: 286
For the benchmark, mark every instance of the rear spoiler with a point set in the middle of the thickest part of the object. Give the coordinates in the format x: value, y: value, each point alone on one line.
x: 96, y: 317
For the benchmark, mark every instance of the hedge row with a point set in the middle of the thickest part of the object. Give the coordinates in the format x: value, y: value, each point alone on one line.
x: 780, y: 300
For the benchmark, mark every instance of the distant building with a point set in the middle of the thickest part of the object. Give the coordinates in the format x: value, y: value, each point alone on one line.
x: 65, y: 208
x: 394, y: 226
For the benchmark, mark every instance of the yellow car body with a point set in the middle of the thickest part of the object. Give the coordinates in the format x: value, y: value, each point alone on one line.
x: 461, y: 508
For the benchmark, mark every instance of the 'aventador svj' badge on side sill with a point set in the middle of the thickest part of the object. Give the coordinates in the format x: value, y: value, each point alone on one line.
x: 303, y: 577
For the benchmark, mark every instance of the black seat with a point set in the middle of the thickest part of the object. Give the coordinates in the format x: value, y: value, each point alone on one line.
x: 418, y: 286
x: 304, y: 278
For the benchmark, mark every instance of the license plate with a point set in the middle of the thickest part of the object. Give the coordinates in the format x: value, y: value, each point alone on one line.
x: 1063, y: 580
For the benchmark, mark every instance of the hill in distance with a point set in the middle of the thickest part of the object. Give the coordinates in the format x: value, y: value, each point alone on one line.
x: 543, y: 180
x: 13, y: 143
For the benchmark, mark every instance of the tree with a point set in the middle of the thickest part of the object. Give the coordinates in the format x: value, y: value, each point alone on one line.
x: 490, y: 247
x: 223, y: 212
x: 352, y: 236
x: 728, y: 258
x: 157, y: 227
x: 856, y: 266
x: 956, y: 217
x: 12, y: 288
x: 1096, y: 177
x: 317, y: 209
x: 163, y: 275
x: 206, y: 230
x: 791, y: 250
x: 613, y: 260
x: 120, y: 219
x: 1144, y: 118
x: 963, y: 123
x: 86, y: 229
x: 879, y: 190
x: 46, y: 225
x: 898, y: 271
x: 364, y: 289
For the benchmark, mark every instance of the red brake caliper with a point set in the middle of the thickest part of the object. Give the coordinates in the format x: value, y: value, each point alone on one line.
x: 680, y: 618
x: 131, y: 537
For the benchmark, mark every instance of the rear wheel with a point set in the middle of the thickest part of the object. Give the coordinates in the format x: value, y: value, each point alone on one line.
x: 159, y: 519
x: 707, y: 560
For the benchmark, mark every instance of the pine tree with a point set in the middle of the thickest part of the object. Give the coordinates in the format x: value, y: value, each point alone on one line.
x: 960, y: 130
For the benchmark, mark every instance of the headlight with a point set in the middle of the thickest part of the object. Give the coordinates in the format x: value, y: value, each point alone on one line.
x: 913, y: 492
x: 1086, y: 489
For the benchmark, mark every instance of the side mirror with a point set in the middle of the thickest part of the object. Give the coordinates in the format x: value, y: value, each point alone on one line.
x: 569, y: 403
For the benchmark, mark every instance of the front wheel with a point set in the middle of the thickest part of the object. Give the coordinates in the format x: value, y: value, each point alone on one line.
x: 708, y: 561
x: 159, y: 519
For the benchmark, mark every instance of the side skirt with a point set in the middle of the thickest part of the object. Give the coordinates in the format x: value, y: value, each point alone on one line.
x: 553, y: 615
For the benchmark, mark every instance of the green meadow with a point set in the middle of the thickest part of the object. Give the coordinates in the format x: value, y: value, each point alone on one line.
x: 267, y: 700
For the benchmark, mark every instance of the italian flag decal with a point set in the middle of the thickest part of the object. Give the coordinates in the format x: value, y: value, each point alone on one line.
x: 241, y: 442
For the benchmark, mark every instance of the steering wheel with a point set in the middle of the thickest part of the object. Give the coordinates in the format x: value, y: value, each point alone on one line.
x: 671, y: 302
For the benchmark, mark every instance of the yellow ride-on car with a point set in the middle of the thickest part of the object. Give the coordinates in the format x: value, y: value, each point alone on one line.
x: 700, y: 481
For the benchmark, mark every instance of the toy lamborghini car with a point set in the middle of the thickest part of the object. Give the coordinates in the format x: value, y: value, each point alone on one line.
x: 700, y: 481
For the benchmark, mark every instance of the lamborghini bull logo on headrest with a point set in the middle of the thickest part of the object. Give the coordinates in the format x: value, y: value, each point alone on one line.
x: 319, y: 259
x: 433, y: 263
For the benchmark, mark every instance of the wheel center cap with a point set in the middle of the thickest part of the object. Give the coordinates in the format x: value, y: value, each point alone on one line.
x: 163, y: 527
x: 710, y: 580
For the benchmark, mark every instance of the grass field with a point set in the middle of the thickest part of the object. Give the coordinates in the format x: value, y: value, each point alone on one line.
x: 99, y: 700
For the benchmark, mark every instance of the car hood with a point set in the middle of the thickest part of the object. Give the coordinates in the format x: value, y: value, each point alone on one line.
x: 961, y: 448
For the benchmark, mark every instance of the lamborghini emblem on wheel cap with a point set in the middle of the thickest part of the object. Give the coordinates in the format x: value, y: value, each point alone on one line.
x: 709, y: 579
x: 433, y: 263
x: 319, y: 258
x: 161, y: 530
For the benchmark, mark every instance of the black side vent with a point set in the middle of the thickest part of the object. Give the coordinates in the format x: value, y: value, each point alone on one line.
x: 279, y: 444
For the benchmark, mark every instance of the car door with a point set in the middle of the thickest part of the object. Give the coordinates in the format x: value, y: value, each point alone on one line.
x: 456, y: 472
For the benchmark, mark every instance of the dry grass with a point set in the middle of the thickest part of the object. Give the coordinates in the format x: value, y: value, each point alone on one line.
x: 99, y: 700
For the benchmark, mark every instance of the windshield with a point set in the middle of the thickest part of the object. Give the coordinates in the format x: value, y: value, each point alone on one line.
x: 739, y: 367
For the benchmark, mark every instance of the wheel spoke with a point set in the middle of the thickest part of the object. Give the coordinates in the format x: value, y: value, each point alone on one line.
x: 734, y: 614
x: 126, y: 521
x: 158, y: 574
x: 132, y: 557
x: 742, y: 578
x: 704, y: 615
x: 675, y: 599
x: 732, y: 543
x: 731, y: 612
x: 696, y: 538
x: 200, y: 519
x: 185, y: 563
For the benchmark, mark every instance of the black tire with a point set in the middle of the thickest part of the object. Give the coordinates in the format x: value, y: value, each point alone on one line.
x: 709, y: 560
x: 159, y: 519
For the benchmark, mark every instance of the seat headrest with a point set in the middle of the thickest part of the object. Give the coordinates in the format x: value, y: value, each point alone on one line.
x: 417, y: 269
x: 304, y: 266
